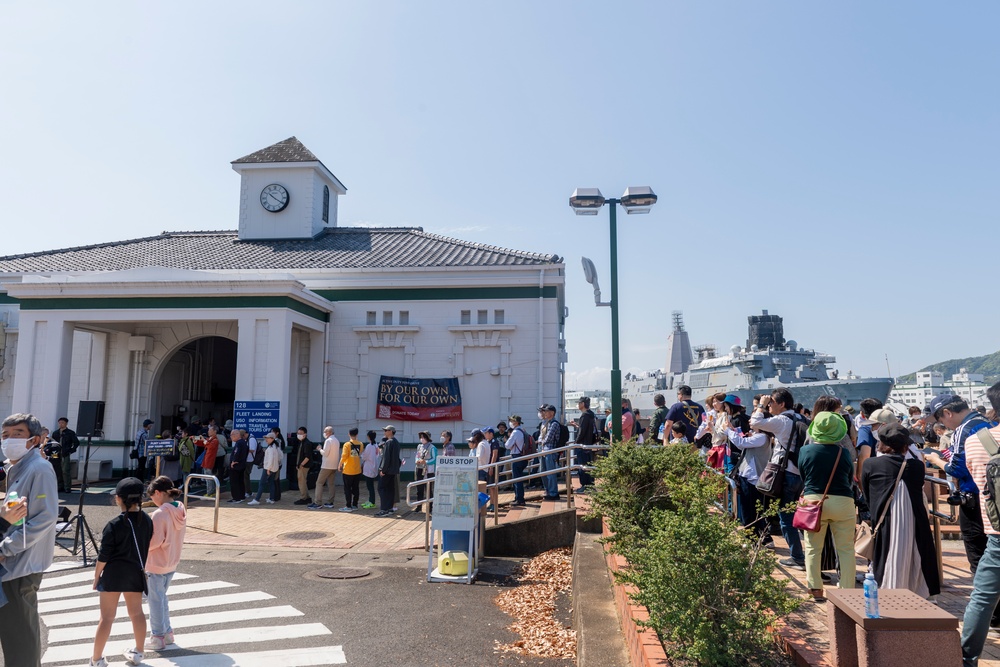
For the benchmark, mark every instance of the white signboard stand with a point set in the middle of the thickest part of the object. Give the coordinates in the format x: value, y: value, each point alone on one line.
x: 456, y: 507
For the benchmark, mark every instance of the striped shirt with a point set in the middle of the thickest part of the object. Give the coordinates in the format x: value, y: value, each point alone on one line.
x: 976, y: 458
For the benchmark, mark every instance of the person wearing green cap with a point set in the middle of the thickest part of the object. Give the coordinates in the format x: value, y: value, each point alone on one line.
x: 824, y: 468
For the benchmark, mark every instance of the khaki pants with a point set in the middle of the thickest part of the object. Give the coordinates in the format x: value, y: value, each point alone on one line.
x: 304, y: 483
x: 838, y: 516
x: 326, y: 477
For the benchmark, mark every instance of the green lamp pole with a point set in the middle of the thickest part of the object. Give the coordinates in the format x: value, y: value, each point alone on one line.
x: 588, y: 201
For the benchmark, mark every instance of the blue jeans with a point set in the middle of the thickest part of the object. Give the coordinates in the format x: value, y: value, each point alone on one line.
x: 790, y: 494
x: 982, y: 602
x: 209, y: 484
x: 268, y: 480
x: 518, y: 470
x: 159, y: 615
x: 550, y: 482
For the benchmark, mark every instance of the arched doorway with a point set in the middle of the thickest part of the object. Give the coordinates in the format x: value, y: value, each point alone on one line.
x: 197, y: 380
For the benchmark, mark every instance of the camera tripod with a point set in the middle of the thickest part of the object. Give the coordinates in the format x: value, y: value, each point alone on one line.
x: 80, y: 521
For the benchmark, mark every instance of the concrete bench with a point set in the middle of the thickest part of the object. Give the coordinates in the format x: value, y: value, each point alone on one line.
x: 96, y: 470
x: 910, y: 632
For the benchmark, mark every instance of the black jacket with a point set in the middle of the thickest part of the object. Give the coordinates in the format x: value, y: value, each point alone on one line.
x: 308, y: 456
x: 388, y: 460
x: 586, y: 433
x: 68, y: 442
x: 239, y: 455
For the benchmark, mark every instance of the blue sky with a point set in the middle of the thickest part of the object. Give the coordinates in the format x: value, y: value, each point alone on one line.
x: 834, y: 163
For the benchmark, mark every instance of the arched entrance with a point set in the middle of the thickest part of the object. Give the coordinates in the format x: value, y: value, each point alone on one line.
x: 197, y: 380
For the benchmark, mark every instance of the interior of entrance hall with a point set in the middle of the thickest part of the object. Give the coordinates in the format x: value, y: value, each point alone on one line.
x: 197, y: 380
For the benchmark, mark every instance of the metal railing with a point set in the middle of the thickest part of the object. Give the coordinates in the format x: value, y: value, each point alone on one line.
x: 937, y: 516
x: 728, y: 503
x: 218, y: 492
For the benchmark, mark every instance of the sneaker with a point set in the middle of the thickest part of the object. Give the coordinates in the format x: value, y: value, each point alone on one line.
x: 382, y: 513
x: 791, y: 562
x: 270, y: 502
x: 168, y: 638
x: 254, y: 502
x: 210, y: 495
x: 302, y: 501
x: 345, y: 509
x: 100, y: 663
x: 156, y: 643
x: 368, y: 506
x: 313, y: 506
x: 132, y: 656
x: 328, y: 506
x: 394, y: 509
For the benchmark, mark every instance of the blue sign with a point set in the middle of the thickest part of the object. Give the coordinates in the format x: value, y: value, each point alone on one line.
x: 256, y: 417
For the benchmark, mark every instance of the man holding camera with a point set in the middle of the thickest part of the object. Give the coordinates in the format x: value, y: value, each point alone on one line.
x: 955, y: 414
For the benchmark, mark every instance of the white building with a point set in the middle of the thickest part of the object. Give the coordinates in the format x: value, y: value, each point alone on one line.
x: 971, y: 387
x: 289, y: 308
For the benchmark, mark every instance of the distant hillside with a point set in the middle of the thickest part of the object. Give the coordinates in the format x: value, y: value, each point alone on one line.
x: 988, y: 365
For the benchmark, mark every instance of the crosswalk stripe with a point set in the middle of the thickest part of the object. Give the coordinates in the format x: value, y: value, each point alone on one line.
x: 124, y: 628
x: 95, y: 600
x: 75, y: 591
x: 65, y: 565
x: 86, y: 575
x: 199, y: 639
x: 94, y: 615
x: 303, y: 657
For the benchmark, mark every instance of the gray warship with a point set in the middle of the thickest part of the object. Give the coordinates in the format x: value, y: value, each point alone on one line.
x: 768, y: 361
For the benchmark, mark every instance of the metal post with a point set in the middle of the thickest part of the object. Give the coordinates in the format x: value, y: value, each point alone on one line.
x: 937, y: 531
x: 616, y: 373
x: 569, y: 477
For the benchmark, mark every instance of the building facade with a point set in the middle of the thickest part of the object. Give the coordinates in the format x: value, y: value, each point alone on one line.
x: 289, y: 308
x: 970, y: 387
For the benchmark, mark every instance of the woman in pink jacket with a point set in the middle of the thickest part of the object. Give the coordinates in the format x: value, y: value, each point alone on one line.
x: 169, y: 522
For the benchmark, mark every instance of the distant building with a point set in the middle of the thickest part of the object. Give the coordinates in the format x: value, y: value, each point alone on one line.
x: 969, y: 386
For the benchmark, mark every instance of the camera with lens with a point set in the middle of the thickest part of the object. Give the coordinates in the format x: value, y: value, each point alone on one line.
x: 962, y: 499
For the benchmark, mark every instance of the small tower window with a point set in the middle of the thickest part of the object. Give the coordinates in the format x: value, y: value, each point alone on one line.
x: 404, y: 317
x: 497, y: 317
x: 326, y: 204
x: 466, y: 317
x: 387, y: 317
x: 481, y: 317
x: 370, y: 319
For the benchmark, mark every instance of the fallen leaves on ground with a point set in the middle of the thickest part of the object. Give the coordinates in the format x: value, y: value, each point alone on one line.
x: 533, y: 605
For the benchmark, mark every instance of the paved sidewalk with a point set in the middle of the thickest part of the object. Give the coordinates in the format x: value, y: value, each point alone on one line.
x: 808, y: 626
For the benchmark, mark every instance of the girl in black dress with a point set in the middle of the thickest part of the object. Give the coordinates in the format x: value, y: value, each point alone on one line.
x: 120, y: 570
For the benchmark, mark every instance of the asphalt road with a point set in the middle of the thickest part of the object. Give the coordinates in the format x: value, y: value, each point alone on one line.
x: 390, y: 618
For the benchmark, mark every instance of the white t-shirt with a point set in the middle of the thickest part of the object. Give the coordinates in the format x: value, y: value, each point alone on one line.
x: 483, y: 453
x: 331, y: 454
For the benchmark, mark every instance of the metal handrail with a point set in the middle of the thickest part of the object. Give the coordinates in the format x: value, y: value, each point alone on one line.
x: 218, y: 492
x: 952, y: 517
x: 728, y: 505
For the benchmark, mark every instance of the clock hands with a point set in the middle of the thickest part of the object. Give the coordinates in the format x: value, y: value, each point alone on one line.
x: 274, y: 198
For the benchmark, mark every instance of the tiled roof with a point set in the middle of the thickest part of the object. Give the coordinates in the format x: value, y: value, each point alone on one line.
x: 341, y: 247
x: 289, y: 150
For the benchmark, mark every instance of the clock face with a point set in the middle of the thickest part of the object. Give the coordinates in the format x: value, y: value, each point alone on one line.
x: 274, y: 198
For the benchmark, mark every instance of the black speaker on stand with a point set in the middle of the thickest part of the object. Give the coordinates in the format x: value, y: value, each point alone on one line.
x: 89, y: 422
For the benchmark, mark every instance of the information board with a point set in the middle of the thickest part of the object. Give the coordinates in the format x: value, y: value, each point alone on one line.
x: 256, y: 417
x: 160, y: 447
x: 456, y: 493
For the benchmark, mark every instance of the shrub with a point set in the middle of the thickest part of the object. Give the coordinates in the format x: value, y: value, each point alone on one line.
x: 705, y: 581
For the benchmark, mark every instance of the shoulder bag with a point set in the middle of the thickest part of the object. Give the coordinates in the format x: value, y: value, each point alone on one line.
x: 809, y: 512
x: 771, y: 481
x: 138, y: 553
x: 864, y: 536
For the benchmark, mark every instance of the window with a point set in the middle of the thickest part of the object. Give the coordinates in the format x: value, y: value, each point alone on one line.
x: 497, y: 317
x: 386, y: 317
x: 404, y: 317
x: 370, y: 319
x: 466, y: 317
x: 481, y: 317
x: 326, y: 204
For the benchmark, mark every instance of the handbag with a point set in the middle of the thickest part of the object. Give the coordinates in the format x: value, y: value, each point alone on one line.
x: 864, y: 536
x: 771, y: 481
x: 142, y: 566
x: 808, y: 513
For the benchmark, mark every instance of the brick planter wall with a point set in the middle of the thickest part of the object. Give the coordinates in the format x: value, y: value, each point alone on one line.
x: 644, y: 647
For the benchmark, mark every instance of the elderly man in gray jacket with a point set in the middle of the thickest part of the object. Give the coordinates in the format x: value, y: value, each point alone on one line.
x: 26, y: 550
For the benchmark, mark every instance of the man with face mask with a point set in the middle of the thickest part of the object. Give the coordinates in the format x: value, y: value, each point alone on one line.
x: 26, y: 550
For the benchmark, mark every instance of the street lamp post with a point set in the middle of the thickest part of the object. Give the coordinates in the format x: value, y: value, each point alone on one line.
x: 588, y: 201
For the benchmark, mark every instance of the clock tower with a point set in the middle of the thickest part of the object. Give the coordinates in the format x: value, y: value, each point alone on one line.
x: 286, y: 193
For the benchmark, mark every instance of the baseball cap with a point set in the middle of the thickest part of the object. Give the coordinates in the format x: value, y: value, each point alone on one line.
x: 130, y: 488
x: 489, y: 429
x: 881, y: 416
x: 269, y: 435
x: 389, y: 427
x: 547, y: 407
x: 940, y: 401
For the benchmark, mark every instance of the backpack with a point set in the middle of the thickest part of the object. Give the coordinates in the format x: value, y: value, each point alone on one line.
x: 529, y: 443
x: 992, y: 491
x: 563, y: 435
x: 258, y: 454
x: 797, y: 438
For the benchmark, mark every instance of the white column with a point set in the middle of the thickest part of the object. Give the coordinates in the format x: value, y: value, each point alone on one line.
x: 41, y: 382
x: 245, y: 353
x: 277, y: 384
x: 317, y: 376
x: 24, y: 362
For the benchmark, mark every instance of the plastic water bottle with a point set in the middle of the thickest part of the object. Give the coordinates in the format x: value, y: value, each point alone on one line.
x: 871, y: 596
x: 12, y: 499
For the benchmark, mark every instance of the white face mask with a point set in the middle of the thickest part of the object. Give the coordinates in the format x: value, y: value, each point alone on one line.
x: 540, y: 416
x: 444, y: 439
x: 512, y: 424
x: 15, y: 448
x: 301, y: 436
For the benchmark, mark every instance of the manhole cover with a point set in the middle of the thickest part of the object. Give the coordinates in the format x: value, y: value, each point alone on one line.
x: 343, y: 573
x: 304, y: 535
